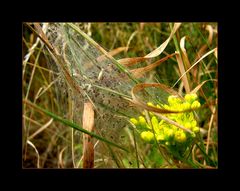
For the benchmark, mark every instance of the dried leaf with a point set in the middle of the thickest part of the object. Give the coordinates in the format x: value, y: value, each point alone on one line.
x: 88, y: 123
x: 61, y: 162
x: 216, y: 53
x: 200, y: 85
x: 161, y: 48
x: 131, y: 61
x: 204, y: 47
x: 42, y: 36
x: 210, y: 36
x: 41, y: 129
x: 130, y: 39
x: 184, y: 52
x: 182, y: 72
x: 35, y: 149
x: 139, y: 71
x: 142, y: 25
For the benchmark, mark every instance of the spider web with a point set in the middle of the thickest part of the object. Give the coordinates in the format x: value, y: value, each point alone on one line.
x: 102, y: 82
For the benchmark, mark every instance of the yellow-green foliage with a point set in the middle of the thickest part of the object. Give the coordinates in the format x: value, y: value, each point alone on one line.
x: 166, y: 133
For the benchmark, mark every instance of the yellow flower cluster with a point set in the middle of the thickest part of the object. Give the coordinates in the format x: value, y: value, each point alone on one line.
x: 166, y: 133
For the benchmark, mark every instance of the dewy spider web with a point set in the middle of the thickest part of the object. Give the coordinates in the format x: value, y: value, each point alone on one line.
x: 104, y: 84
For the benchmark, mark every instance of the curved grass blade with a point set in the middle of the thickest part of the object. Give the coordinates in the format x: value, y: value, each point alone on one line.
x: 162, y: 47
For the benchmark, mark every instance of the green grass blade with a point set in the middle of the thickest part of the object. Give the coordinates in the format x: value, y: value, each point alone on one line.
x: 74, y: 125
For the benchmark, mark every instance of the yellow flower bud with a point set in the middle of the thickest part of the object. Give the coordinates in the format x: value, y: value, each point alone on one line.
x: 160, y: 127
x: 188, y: 125
x: 150, y: 104
x: 151, y: 114
x: 196, y: 129
x: 190, y: 97
x: 186, y: 106
x: 167, y: 143
x: 142, y: 120
x: 173, y: 100
x: 194, y: 123
x: 190, y: 116
x: 195, y: 105
x: 134, y: 121
x: 169, y: 133
x: 161, y: 122
x: 165, y: 132
x: 177, y: 107
x: 166, y: 106
x: 154, y: 122
x: 193, y: 135
x: 160, y: 137
x: 147, y: 136
x: 180, y: 137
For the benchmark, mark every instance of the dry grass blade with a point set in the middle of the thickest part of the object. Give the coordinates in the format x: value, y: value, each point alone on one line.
x: 141, y: 26
x: 42, y: 36
x: 184, y: 52
x: 43, y: 90
x: 209, y: 132
x: 131, y: 61
x: 204, y: 47
x: 130, y: 39
x: 210, y: 36
x: 205, y: 55
x: 88, y: 123
x: 200, y: 85
x: 61, y: 161
x: 31, y: 51
x: 216, y: 53
x: 182, y: 72
x: 161, y: 48
x: 139, y: 71
x: 41, y: 129
x: 38, y: 158
x: 32, y: 121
